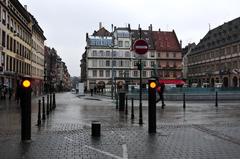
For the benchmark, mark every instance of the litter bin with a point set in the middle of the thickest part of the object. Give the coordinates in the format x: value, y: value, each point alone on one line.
x: 121, y: 101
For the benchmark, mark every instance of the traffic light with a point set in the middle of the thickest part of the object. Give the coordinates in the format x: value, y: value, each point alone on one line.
x: 152, y: 84
x: 25, y: 102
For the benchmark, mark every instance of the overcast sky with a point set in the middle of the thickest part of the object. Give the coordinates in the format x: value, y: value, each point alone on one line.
x: 65, y: 23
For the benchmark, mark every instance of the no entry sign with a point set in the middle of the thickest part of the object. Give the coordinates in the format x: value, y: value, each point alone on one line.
x: 140, y: 47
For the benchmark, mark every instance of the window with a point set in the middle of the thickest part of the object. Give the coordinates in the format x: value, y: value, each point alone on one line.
x: 107, y: 73
x: 94, y: 53
x: 3, y: 38
x: 120, y: 73
x: 4, y: 17
x: 94, y: 62
x: 152, y: 63
x: 107, y: 63
x: 120, y: 43
x: 114, y: 53
x: 101, y: 73
x: 94, y: 73
x: 126, y: 43
x: 174, y: 54
x: 235, y: 49
x: 121, y: 63
x: 159, y: 55
x: 108, y: 53
x: 114, y: 63
x: 101, y: 53
x: 152, y: 54
x: 126, y: 73
x: 127, y: 54
x: 144, y: 73
x: 135, y: 73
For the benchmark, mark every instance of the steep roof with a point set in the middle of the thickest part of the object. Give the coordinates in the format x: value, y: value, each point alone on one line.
x: 102, y: 32
x: 146, y: 35
x: 225, y: 34
x: 166, y: 41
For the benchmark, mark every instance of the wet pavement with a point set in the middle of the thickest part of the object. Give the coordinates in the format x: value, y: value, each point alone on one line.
x: 199, y: 131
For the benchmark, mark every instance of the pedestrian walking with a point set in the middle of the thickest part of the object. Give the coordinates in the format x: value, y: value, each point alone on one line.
x: 160, y: 91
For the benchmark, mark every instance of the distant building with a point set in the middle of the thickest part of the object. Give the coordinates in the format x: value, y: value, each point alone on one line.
x: 109, y: 57
x: 186, y: 51
x: 216, y: 58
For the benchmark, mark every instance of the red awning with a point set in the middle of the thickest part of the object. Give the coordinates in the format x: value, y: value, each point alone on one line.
x: 172, y: 81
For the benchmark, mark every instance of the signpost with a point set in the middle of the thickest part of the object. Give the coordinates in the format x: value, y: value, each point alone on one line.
x: 140, y: 46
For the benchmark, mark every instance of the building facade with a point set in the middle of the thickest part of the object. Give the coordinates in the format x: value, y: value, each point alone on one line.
x: 20, y: 39
x: 216, y: 58
x: 56, y: 75
x: 109, y: 57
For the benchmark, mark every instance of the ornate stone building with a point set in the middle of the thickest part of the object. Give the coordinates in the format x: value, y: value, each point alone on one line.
x: 109, y: 57
x: 216, y: 58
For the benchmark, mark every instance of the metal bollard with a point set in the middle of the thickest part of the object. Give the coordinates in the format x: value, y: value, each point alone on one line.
x: 216, y: 99
x: 184, y: 101
x: 126, y: 109
x: 96, y: 128
x: 54, y: 101
x: 48, y: 109
x: 43, y: 109
x: 132, y: 112
x: 39, y: 113
x: 50, y: 102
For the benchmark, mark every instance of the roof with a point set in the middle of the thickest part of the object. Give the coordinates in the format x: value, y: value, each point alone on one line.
x: 102, y: 32
x: 225, y: 34
x: 146, y: 35
x: 166, y: 41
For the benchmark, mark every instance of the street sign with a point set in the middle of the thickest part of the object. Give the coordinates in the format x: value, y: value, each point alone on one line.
x: 140, y: 47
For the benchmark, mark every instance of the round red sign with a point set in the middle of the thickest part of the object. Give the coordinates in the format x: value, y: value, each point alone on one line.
x: 140, y: 46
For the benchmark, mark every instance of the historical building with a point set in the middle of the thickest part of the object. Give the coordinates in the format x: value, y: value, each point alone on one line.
x: 109, y: 57
x: 216, y: 58
x: 57, y: 77
x: 21, y: 46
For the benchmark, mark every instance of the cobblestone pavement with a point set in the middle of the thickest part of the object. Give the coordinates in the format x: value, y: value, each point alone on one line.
x: 201, y: 131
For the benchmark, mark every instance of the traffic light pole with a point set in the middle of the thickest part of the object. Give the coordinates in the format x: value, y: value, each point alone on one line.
x: 152, y: 106
x: 140, y: 93
x: 25, y: 103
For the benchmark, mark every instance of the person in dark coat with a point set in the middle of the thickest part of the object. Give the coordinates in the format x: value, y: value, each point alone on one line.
x: 162, y: 86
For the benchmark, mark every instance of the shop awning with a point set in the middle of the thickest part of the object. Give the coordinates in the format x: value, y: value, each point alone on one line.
x: 172, y: 81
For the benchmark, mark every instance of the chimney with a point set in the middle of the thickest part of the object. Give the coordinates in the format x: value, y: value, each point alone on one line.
x: 100, y: 25
x: 129, y: 27
x: 159, y: 29
x: 150, y: 27
x: 180, y: 43
x: 25, y: 6
x: 86, y: 35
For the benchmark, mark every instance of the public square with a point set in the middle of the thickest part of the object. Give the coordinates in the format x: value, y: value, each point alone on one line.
x: 200, y: 131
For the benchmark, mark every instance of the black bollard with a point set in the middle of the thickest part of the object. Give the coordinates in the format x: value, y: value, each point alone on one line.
x: 132, y: 112
x: 39, y: 113
x: 184, y: 101
x: 50, y: 102
x: 216, y: 99
x: 43, y: 109
x: 96, y: 129
x: 54, y: 101
x: 126, y: 110
x: 48, y: 109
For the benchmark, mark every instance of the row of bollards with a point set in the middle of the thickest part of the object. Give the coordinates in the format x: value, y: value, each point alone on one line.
x: 46, y: 110
x: 184, y: 100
